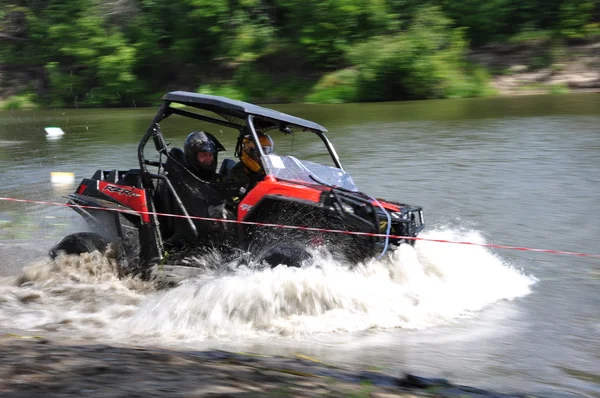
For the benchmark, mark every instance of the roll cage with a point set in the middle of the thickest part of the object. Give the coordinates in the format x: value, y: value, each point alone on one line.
x: 248, y: 119
x: 296, y: 193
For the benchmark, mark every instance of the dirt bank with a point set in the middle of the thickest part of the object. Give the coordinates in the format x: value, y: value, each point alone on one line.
x: 35, y: 365
x: 541, y: 67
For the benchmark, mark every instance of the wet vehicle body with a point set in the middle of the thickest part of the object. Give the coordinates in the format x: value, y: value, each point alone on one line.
x: 159, y: 212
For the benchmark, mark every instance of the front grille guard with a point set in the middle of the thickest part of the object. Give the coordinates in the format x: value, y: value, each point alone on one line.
x: 407, y: 222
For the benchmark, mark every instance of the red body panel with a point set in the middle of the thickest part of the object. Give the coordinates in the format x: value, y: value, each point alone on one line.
x: 271, y: 186
x: 388, y: 206
x: 134, y: 198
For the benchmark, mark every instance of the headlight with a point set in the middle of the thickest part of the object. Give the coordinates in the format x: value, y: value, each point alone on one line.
x: 347, y: 208
x: 399, y: 216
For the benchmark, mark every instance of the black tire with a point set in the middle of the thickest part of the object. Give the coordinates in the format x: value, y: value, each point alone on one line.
x: 290, y: 254
x: 87, y: 242
x: 80, y: 242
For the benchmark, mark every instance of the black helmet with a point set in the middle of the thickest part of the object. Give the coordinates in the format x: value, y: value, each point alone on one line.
x: 200, y: 141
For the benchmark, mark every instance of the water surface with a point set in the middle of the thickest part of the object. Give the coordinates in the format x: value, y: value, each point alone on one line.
x: 515, y: 171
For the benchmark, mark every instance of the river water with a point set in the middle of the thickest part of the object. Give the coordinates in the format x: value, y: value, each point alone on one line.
x: 521, y: 171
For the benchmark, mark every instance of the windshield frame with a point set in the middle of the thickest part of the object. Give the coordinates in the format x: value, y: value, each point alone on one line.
x: 290, y: 168
x: 330, y: 148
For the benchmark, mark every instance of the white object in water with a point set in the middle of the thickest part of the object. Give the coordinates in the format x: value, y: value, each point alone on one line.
x: 61, y: 177
x: 54, y: 131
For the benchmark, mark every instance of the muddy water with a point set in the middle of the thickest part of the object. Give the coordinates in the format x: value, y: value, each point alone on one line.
x: 412, y: 289
x: 521, y: 171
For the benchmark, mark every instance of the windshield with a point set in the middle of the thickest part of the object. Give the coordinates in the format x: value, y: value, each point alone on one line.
x: 290, y: 168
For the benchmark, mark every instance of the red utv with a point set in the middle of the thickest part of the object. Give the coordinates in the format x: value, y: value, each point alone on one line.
x: 159, y: 213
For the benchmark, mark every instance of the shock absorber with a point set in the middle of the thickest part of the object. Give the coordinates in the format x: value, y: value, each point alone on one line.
x: 159, y: 142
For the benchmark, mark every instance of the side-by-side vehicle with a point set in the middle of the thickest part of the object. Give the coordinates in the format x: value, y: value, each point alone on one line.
x: 159, y: 213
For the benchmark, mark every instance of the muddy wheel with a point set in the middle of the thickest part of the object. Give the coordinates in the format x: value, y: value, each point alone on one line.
x: 80, y: 242
x: 290, y: 254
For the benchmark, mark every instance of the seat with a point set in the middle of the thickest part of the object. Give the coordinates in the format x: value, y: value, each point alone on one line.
x: 197, y: 197
x: 178, y: 156
x: 172, y: 228
x: 132, y: 178
x: 226, y: 166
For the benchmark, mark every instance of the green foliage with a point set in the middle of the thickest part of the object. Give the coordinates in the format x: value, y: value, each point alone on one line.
x: 87, y: 63
x: 426, y: 61
x: 251, y: 84
x: 290, y: 90
x: 485, y: 20
x: 336, y: 87
x: 529, y: 35
x: 474, y: 83
x: 499, y: 20
x: 59, y: 82
x: 574, y: 16
x: 113, y: 53
x: 20, y: 101
x: 224, y: 90
x: 22, y: 24
x: 252, y: 36
x: 558, y: 88
x: 324, y: 29
x: 592, y: 31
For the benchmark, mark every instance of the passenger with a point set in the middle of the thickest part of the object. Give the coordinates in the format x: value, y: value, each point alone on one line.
x: 201, y: 152
x: 249, y: 169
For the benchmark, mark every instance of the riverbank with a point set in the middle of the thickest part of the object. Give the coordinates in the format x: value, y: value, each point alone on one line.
x: 32, y: 365
x: 511, y: 69
x: 540, y: 68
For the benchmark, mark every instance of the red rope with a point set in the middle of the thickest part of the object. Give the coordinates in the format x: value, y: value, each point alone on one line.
x: 307, y: 228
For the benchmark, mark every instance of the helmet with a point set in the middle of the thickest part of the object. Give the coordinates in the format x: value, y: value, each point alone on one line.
x: 200, y: 141
x: 250, y: 156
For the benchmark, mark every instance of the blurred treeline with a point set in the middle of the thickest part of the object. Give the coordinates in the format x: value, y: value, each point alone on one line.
x: 114, y: 52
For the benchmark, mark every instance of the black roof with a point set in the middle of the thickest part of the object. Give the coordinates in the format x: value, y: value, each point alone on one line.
x: 239, y: 109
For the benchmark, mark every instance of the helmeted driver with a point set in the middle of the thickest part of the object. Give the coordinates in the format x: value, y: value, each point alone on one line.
x: 249, y: 168
x: 201, y: 151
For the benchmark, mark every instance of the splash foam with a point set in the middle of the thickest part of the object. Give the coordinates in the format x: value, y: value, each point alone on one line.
x: 414, y: 287
x: 419, y: 287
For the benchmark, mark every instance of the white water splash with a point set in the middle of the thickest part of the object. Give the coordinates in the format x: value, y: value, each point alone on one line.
x: 431, y: 284
x: 413, y: 288
x: 79, y: 294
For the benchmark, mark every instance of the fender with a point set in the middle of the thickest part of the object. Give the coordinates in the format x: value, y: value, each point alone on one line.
x: 130, y: 197
x: 271, y: 186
